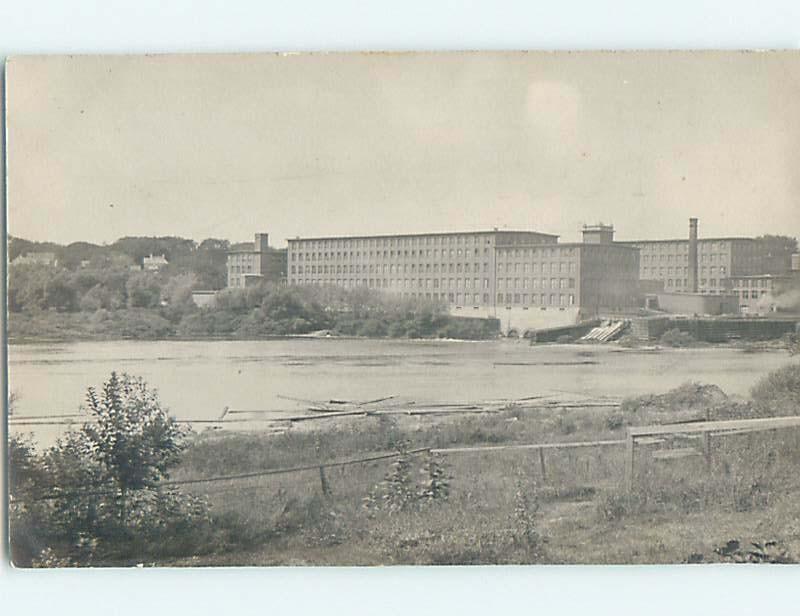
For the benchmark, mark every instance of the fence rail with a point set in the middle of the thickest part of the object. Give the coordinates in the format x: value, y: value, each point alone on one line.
x: 705, y: 428
x: 634, y: 434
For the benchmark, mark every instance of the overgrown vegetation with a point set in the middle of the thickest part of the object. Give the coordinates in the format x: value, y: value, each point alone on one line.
x: 502, y: 506
x: 96, y: 496
x: 106, y: 299
x: 677, y: 338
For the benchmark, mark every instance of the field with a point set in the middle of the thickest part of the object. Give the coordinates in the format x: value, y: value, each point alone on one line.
x: 506, y: 505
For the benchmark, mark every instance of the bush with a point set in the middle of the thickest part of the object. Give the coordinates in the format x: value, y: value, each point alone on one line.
x: 567, y: 425
x: 779, y: 391
x: 615, y: 421
x: 628, y: 341
x: 96, y: 496
x: 677, y: 338
x: 614, y: 506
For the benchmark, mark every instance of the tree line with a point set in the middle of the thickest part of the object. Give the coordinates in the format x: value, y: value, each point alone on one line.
x: 104, y: 297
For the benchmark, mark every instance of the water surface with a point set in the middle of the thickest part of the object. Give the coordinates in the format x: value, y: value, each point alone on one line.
x: 198, y: 379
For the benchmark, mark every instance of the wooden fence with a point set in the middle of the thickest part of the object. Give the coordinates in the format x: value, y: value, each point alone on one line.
x: 706, y: 428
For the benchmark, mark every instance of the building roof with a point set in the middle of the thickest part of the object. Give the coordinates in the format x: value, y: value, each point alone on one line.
x: 429, y: 234
x: 249, y: 247
x: 684, y: 239
x: 568, y: 245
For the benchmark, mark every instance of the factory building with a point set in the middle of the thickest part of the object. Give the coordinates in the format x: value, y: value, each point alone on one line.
x: 700, y: 265
x: 526, y: 279
x: 250, y: 264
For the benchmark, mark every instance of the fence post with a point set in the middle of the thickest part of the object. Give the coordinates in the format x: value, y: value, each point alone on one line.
x: 629, y: 444
x: 323, y: 480
x: 707, y: 442
x: 541, y: 464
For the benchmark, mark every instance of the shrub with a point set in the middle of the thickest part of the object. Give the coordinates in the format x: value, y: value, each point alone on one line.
x: 526, y: 510
x: 396, y: 492
x: 628, y: 341
x: 567, y: 425
x: 791, y: 343
x: 615, y: 421
x: 614, y: 506
x: 677, y: 338
x: 435, y: 482
x: 97, y: 495
x: 779, y: 390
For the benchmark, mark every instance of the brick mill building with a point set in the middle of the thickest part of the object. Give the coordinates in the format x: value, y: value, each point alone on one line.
x: 719, y: 260
x: 250, y: 264
x: 524, y: 278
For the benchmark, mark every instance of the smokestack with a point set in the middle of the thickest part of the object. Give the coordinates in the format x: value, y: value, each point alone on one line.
x: 262, y: 242
x: 693, y: 288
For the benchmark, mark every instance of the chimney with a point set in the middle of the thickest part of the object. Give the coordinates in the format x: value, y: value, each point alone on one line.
x: 262, y: 242
x: 693, y: 288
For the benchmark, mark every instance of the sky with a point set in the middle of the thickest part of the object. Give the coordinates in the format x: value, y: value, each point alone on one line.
x: 198, y: 146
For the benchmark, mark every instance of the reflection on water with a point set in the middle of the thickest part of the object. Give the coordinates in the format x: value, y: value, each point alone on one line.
x: 197, y: 379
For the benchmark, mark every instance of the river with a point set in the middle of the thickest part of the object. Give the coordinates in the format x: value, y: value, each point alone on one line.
x: 198, y: 379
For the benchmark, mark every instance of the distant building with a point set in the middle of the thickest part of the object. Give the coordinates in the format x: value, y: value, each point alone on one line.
x: 253, y: 263
x: 697, y: 304
x: 36, y: 258
x: 524, y: 278
x: 154, y: 263
x: 718, y: 260
x: 204, y: 299
x: 762, y: 294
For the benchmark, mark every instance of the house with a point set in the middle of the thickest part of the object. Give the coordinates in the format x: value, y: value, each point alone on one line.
x: 154, y: 264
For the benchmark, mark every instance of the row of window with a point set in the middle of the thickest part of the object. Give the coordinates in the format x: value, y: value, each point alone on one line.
x: 682, y: 246
x: 712, y: 257
x: 241, y: 269
x: 562, y: 267
x: 666, y: 271
x: 748, y: 282
x: 753, y: 293
x: 387, y: 254
x: 535, y: 283
x: 447, y: 283
x: 684, y: 282
x: 241, y: 257
x: 460, y: 299
x: 507, y: 253
x: 386, y: 242
x: 388, y: 268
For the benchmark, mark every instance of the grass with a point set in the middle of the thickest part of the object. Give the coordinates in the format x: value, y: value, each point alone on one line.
x: 499, y: 507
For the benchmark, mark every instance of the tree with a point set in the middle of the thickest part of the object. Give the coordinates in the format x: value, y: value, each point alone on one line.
x: 143, y: 291
x: 778, y: 250
x: 60, y: 294
x: 133, y: 440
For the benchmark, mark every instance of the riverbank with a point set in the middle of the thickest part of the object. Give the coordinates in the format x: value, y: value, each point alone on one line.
x: 151, y: 324
x: 497, y: 504
x: 539, y: 478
